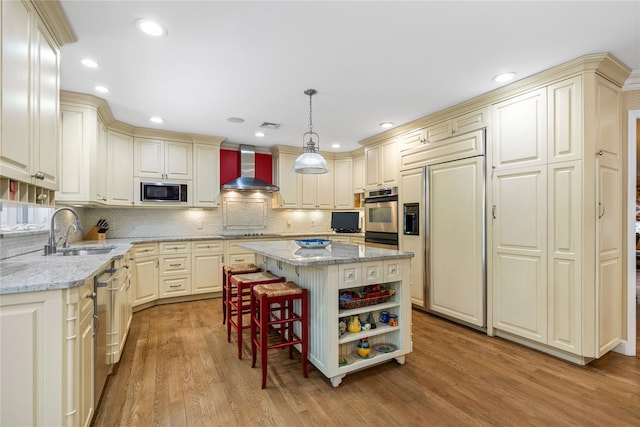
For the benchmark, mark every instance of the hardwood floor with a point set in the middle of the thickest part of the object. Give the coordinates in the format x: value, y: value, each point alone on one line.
x: 177, y: 369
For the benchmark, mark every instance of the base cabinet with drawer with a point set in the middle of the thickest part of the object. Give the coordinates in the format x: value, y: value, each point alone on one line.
x: 206, y: 266
x: 175, y: 269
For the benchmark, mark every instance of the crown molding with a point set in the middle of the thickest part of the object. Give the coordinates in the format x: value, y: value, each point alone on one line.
x: 55, y: 20
x: 633, y: 81
x: 603, y: 64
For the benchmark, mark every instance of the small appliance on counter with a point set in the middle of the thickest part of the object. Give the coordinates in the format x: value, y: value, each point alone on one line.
x: 345, y: 222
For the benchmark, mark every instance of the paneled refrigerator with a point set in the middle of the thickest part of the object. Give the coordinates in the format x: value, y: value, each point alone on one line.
x: 443, y: 222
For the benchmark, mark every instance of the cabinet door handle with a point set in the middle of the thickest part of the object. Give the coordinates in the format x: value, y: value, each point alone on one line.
x: 38, y: 175
x: 601, y: 206
x: 600, y: 153
x: 493, y: 211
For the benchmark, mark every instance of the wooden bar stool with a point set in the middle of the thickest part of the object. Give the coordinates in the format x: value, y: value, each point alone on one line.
x: 227, y: 272
x: 240, y: 303
x: 272, y: 308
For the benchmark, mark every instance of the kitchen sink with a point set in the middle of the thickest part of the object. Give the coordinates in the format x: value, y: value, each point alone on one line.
x: 85, y: 251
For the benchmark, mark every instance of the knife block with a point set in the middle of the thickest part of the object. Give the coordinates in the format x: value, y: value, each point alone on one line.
x: 93, y: 234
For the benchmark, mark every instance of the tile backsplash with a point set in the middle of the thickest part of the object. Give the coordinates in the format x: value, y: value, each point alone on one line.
x: 167, y: 222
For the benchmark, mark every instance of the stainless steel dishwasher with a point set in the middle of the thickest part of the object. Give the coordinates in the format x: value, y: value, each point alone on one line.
x: 102, y: 315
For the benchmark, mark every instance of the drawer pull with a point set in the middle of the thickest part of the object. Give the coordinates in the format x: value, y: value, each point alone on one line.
x: 175, y: 286
x: 175, y: 265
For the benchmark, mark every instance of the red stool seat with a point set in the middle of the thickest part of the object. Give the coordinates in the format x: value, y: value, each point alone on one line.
x: 239, y: 300
x: 272, y: 308
x: 227, y: 272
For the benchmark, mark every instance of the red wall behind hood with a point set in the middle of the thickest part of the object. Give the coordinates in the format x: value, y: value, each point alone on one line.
x: 230, y: 166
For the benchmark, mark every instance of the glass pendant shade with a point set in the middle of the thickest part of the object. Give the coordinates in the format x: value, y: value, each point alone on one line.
x: 310, y: 162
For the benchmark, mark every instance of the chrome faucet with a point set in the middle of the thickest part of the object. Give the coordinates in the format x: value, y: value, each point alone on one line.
x: 50, y: 247
x: 65, y: 244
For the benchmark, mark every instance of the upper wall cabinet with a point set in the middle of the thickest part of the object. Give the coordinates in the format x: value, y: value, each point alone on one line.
x: 316, y: 191
x: 358, y: 174
x: 154, y: 158
x: 287, y: 180
x: 382, y: 165
x: 206, y: 175
x: 80, y: 149
x: 463, y: 123
x: 30, y: 97
x: 343, y: 183
x: 120, y: 169
x: 520, y: 130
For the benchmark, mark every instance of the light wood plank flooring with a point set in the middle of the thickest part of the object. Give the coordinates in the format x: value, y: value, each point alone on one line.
x: 177, y: 369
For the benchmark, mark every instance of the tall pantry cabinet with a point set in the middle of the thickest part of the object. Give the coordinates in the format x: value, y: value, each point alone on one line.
x: 556, y: 212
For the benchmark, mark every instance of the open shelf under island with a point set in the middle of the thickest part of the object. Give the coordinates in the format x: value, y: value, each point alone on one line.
x: 328, y: 271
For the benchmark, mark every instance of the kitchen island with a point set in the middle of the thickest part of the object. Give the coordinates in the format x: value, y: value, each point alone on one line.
x: 328, y: 272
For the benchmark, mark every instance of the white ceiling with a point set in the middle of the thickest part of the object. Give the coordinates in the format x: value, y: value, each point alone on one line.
x: 369, y: 61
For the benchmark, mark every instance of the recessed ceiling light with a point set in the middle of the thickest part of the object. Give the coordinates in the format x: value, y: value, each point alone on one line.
x: 504, y: 77
x: 386, y: 125
x: 235, y: 120
x: 150, y: 27
x: 156, y: 119
x: 335, y: 145
x: 90, y: 63
x: 259, y: 134
x: 101, y: 89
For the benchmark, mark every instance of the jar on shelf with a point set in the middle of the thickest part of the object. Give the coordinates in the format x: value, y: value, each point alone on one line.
x: 363, y: 348
x: 354, y: 324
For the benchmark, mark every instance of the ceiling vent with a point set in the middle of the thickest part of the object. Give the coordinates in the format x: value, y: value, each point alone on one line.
x: 268, y: 125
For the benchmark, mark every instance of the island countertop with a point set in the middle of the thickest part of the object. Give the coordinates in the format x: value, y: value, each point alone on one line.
x: 336, y: 253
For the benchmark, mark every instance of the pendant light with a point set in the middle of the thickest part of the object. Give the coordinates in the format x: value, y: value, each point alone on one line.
x: 310, y: 162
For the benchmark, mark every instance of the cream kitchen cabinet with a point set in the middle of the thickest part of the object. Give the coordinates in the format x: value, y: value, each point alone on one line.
x: 237, y: 255
x: 343, y: 183
x: 520, y: 130
x: 120, y: 169
x: 30, y: 97
x: 382, y: 165
x: 145, y: 273
x: 206, y: 265
x: 122, y: 303
x: 473, y: 120
x: 206, y: 175
x: 83, y: 154
x: 557, y: 287
x: 154, y: 158
x: 175, y: 269
x: 284, y: 177
x: 316, y: 191
x: 47, y: 353
x: 358, y: 174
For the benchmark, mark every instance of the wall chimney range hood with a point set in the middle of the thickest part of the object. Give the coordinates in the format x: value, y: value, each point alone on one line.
x: 247, y: 180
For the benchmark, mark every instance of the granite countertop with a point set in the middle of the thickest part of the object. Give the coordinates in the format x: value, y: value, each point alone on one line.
x: 336, y: 253
x: 35, y: 272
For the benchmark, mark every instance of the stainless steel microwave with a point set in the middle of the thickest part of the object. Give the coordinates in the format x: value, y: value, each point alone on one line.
x: 163, y: 192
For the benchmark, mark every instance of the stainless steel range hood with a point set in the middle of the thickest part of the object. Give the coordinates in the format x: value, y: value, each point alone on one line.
x: 247, y: 180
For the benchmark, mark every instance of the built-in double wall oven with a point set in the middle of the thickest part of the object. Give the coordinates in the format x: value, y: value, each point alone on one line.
x: 381, y: 218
